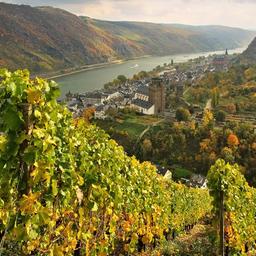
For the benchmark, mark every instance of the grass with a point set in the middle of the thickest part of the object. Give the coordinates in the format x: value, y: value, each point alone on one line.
x: 180, y: 172
x: 132, y: 123
x: 131, y: 126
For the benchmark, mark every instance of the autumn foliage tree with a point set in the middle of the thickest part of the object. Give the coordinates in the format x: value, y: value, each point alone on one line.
x: 232, y: 140
x: 88, y: 114
x: 208, y: 119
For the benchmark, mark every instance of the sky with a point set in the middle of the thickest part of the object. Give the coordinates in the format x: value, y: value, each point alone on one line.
x: 235, y: 13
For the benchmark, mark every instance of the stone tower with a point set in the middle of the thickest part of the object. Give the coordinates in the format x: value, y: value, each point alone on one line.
x: 157, y: 95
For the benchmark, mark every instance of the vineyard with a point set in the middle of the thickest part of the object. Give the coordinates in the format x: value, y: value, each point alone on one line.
x: 238, y: 206
x: 67, y: 189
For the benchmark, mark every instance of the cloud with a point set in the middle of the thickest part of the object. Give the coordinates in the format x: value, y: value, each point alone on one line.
x: 238, y: 13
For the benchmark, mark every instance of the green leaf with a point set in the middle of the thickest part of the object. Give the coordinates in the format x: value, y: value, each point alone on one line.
x: 30, y: 155
x: 12, y: 119
x: 44, y: 216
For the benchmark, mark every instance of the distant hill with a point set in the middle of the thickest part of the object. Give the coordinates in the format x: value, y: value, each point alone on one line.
x: 46, y: 39
x: 249, y: 55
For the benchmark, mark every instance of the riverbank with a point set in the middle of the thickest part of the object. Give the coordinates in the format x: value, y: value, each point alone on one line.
x: 68, y: 72
x: 84, y: 68
x: 94, y: 77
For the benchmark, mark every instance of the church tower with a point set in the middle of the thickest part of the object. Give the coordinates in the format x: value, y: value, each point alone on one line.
x: 157, y: 95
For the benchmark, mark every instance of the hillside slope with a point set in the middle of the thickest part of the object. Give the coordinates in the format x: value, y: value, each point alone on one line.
x: 44, y: 39
x: 249, y: 55
x: 160, y: 39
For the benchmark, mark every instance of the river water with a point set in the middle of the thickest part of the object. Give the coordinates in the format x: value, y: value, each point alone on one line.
x: 95, y: 79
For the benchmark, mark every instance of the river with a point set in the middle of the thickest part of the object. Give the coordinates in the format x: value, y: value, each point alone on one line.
x: 94, y: 79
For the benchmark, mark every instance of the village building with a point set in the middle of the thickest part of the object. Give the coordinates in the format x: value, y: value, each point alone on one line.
x: 221, y: 62
x: 111, y: 94
x: 142, y: 93
x: 74, y: 103
x: 94, y: 98
x: 198, y: 181
x: 144, y: 107
x: 100, y: 112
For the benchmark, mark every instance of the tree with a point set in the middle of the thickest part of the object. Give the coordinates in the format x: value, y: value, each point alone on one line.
x: 142, y: 74
x: 112, y: 112
x: 146, y: 147
x: 108, y: 85
x: 232, y: 140
x: 215, y: 97
x: 88, y: 114
x: 231, y: 108
x: 182, y: 114
x: 116, y: 82
x: 227, y: 154
x: 250, y: 74
x: 208, y: 118
x: 122, y: 78
x: 221, y: 116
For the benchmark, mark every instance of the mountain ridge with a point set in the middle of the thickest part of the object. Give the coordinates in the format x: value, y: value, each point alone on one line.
x: 45, y: 39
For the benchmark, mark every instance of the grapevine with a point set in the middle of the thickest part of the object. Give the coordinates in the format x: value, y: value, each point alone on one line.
x: 67, y: 189
x: 239, y: 207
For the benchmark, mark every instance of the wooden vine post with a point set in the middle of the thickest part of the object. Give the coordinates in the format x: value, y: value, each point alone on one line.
x: 222, y: 224
x: 25, y: 169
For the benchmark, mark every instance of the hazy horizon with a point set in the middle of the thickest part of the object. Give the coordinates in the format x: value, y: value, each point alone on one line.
x: 232, y: 13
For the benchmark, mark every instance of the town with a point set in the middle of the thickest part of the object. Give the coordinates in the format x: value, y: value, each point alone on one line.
x: 148, y: 94
x: 157, y: 98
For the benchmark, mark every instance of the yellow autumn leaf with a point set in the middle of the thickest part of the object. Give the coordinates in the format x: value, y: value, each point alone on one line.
x: 3, y: 142
x: 57, y: 251
x: 28, y: 203
x: 33, y: 95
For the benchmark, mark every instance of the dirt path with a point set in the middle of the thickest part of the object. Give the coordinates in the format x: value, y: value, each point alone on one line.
x: 197, y: 242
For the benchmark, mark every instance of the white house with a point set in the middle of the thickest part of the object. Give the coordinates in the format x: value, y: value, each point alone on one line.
x: 112, y: 95
x: 144, y: 107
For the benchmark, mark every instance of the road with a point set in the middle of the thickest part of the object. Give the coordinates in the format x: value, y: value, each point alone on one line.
x: 208, y: 105
x: 145, y: 131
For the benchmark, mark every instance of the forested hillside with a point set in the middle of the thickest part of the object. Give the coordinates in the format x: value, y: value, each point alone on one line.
x: 46, y: 39
x: 249, y: 55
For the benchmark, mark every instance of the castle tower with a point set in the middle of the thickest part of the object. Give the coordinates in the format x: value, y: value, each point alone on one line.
x: 157, y: 95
